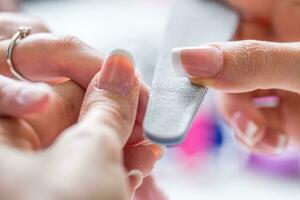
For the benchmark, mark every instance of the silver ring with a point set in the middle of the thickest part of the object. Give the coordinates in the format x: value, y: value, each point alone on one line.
x: 18, y: 36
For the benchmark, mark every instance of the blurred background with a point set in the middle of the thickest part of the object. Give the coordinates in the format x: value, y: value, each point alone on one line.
x: 209, y: 164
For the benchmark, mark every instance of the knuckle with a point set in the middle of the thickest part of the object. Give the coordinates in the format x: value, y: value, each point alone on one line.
x: 38, y: 25
x: 98, y: 140
x: 251, y: 58
x: 68, y: 42
x: 105, y: 111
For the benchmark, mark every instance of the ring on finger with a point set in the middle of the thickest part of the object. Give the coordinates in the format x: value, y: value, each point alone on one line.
x: 23, y: 32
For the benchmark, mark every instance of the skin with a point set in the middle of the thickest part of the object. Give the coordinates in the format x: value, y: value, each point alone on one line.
x: 9, y: 6
x: 253, y: 68
x: 48, y: 57
x: 93, y: 154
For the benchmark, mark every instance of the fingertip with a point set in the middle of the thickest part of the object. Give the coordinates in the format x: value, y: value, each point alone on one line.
x: 274, y: 143
x: 118, y: 73
x: 135, y: 178
x: 246, y: 129
x: 177, y: 63
x: 201, y: 62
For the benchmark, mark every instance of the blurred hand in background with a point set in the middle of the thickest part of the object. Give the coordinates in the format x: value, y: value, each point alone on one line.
x: 9, y: 5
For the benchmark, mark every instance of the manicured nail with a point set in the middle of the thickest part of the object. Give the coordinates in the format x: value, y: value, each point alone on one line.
x: 246, y: 129
x: 266, y: 102
x: 276, y: 147
x: 117, y: 74
x: 33, y: 94
x: 282, y: 143
x: 202, y: 62
x: 135, y: 178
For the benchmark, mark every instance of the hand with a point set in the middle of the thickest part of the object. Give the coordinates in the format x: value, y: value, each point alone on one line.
x: 271, y: 20
x: 32, y: 55
x: 85, y: 162
x: 48, y: 57
x: 260, y: 129
x: 247, y: 70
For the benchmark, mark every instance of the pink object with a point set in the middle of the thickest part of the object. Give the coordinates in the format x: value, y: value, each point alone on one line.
x: 199, y: 138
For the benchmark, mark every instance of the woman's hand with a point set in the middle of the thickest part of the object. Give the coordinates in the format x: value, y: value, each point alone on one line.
x: 51, y: 58
x: 245, y: 71
x: 250, y: 69
x: 85, y: 162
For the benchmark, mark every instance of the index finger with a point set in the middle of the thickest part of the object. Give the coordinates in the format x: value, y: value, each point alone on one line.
x: 48, y: 57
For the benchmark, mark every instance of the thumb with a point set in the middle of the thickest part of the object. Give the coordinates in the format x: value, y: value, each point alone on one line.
x: 95, y: 143
x: 111, y: 99
x: 242, y: 66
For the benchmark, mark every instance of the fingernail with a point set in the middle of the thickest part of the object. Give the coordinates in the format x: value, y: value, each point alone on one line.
x: 33, y: 94
x: 266, y: 102
x: 204, y: 61
x: 157, y: 150
x: 135, y: 178
x: 282, y: 143
x: 246, y: 129
x: 275, y: 147
x: 117, y: 74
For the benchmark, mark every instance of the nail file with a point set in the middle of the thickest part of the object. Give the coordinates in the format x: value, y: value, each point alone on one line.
x: 174, y: 100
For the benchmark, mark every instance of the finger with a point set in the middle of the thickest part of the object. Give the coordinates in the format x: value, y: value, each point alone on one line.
x: 291, y: 110
x: 275, y: 140
x: 53, y: 56
x: 257, y: 124
x: 112, y: 98
x: 108, y: 112
x: 18, y: 134
x: 246, y: 120
x: 10, y: 23
x: 242, y: 66
x: 48, y: 57
x: 110, y: 104
x: 18, y: 98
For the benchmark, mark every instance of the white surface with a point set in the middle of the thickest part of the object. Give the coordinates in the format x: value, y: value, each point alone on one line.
x: 137, y: 25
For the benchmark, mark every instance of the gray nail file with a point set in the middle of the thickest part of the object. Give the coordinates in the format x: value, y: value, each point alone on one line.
x: 174, y: 100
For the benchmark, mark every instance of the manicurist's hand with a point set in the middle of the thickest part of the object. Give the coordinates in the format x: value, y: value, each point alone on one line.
x: 85, y: 161
x: 246, y: 71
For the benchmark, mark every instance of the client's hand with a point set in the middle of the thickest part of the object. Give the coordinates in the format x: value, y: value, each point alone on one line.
x: 52, y: 58
x: 85, y: 162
